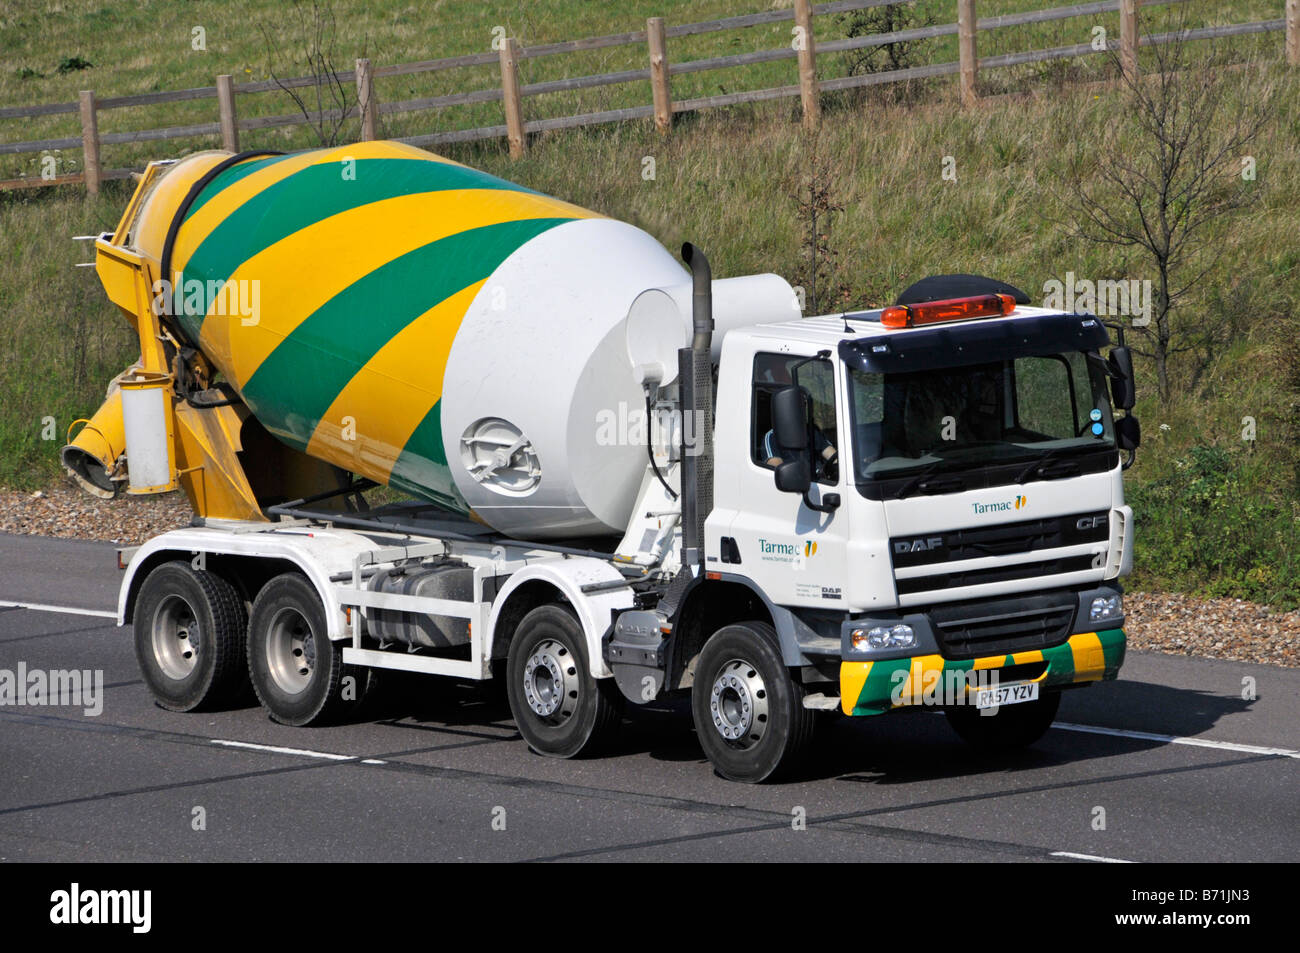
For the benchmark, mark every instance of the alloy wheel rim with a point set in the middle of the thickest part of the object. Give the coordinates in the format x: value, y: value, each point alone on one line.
x: 176, y: 636
x: 738, y: 704
x: 551, y: 682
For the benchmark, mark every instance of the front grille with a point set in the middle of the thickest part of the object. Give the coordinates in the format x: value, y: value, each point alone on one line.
x: 1003, y: 539
x: 977, y: 577
x: 967, y: 630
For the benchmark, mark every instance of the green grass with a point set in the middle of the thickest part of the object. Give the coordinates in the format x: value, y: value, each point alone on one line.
x: 146, y: 46
x: 1214, y: 515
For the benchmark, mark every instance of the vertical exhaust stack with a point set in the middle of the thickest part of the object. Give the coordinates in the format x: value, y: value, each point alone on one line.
x: 696, y: 375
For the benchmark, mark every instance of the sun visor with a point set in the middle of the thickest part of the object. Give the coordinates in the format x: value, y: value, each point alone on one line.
x: 974, y: 342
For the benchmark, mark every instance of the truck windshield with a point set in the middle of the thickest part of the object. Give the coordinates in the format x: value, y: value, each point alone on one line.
x: 1045, y: 408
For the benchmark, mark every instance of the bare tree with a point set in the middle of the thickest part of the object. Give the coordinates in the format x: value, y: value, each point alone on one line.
x: 1155, y: 182
x: 813, y: 185
x: 308, y: 31
x: 881, y: 21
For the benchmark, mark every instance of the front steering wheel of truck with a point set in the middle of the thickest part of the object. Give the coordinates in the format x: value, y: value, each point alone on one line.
x: 748, y: 710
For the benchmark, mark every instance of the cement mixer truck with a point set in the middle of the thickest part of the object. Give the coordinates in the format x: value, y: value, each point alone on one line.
x: 434, y: 422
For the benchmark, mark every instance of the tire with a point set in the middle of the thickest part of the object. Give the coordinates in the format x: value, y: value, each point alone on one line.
x: 748, y: 710
x: 560, y: 709
x: 190, y: 626
x: 1014, y: 726
x: 297, y: 672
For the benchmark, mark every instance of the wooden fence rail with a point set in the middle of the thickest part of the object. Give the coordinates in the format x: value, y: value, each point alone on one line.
x: 659, y: 71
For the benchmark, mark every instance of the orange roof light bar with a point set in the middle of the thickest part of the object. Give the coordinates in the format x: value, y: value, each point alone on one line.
x: 954, y: 309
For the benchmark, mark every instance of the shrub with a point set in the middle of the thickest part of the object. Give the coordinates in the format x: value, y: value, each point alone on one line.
x: 1205, y: 526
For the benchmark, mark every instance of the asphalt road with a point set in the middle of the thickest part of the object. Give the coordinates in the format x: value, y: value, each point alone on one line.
x: 1183, y: 768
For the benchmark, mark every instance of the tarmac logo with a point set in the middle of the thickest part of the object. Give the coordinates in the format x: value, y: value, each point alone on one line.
x: 102, y: 907
x: 1001, y: 506
x: 787, y: 553
x: 809, y: 548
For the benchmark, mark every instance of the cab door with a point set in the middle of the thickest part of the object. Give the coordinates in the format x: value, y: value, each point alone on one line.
x: 795, y: 554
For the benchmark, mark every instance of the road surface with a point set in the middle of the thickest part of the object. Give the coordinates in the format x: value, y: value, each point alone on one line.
x: 1170, y: 763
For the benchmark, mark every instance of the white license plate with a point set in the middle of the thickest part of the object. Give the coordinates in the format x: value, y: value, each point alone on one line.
x: 1011, y: 694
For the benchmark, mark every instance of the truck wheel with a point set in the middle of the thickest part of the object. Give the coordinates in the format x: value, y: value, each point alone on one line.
x: 1014, y: 726
x: 189, y: 637
x: 297, y: 672
x: 559, y: 708
x: 748, y: 710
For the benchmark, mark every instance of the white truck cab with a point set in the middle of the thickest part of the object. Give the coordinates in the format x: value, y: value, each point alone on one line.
x: 927, y: 502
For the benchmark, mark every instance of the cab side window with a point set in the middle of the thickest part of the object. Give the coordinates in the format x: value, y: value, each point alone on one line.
x: 772, y: 372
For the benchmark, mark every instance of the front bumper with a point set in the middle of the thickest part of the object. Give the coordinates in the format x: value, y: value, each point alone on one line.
x: 872, y: 688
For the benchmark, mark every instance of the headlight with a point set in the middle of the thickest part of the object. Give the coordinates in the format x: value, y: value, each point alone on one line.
x: 1106, y: 607
x: 883, y: 637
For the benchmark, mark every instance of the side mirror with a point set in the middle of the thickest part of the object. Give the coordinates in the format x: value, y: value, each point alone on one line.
x: 790, y: 423
x: 794, y: 476
x: 789, y: 419
x: 1128, y: 435
x: 1122, y: 391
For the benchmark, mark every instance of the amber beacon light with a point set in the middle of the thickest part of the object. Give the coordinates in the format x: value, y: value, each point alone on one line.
x: 954, y: 309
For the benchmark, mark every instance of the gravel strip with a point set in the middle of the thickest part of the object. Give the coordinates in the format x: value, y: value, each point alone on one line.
x: 1173, y: 623
x: 1211, y: 628
x: 71, y: 513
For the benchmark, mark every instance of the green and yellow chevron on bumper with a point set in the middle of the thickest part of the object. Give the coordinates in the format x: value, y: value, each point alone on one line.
x: 872, y: 688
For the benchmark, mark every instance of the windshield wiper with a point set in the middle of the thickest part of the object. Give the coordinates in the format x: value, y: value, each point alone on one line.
x: 1041, y: 461
x: 953, y: 482
x: 913, y: 483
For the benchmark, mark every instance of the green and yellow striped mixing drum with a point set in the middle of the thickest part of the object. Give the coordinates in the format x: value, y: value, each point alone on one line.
x: 417, y: 322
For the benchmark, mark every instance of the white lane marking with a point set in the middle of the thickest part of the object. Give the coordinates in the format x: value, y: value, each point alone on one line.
x: 1092, y: 857
x: 372, y: 761
x: 40, y: 607
x: 275, y: 749
x: 1175, y: 740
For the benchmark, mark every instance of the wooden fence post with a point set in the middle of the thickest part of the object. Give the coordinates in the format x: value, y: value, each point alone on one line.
x: 1293, y: 32
x: 226, y: 103
x: 968, y: 62
x: 366, y: 101
x: 510, y: 97
x: 806, y: 48
x: 90, y: 141
x: 1128, y: 39
x: 657, y: 40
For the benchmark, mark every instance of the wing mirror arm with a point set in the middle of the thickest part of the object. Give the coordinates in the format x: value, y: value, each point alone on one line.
x: 795, y: 476
x: 1128, y: 435
x: 830, y: 502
